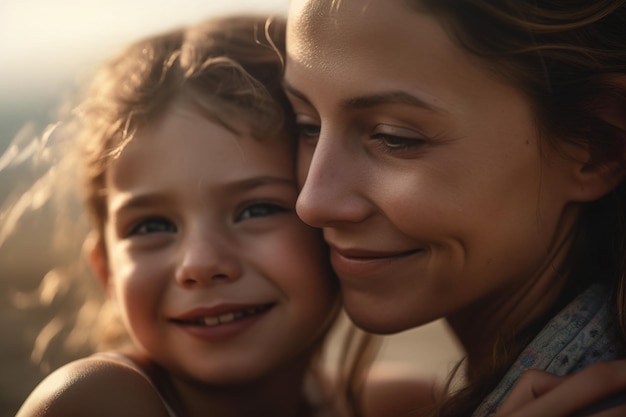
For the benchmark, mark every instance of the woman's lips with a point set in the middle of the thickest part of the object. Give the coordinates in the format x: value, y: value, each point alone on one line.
x: 368, y: 254
x: 361, y: 262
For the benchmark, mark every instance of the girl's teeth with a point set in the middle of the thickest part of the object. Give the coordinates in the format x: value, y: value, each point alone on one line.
x: 228, y: 317
x: 222, y: 318
x: 211, y: 321
x: 225, y: 318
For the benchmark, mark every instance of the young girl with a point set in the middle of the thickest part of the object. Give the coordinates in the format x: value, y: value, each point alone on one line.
x: 189, y: 181
x: 466, y: 160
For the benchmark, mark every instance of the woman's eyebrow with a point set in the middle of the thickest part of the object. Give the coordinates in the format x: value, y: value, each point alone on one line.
x: 373, y: 100
x: 295, y: 92
x: 390, y: 97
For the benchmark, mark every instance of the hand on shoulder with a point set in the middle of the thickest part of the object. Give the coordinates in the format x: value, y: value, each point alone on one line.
x: 598, y: 390
x: 94, y: 387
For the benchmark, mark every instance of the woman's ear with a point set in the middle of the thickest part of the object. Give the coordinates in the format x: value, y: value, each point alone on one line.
x: 95, y: 253
x: 596, y: 179
x: 603, y: 165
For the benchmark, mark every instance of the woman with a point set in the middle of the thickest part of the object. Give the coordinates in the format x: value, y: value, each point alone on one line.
x: 465, y: 160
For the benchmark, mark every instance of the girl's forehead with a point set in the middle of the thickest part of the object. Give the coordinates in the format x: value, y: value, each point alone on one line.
x: 186, y: 144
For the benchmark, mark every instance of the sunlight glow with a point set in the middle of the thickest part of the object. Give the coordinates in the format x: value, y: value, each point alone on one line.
x: 43, y: 41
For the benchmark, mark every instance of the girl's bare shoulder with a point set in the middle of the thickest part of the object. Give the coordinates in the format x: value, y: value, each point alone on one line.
x: 94, y: 386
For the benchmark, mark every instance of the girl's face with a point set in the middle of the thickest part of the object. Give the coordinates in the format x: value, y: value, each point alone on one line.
x: 215, y: 275
x: 422, y: 167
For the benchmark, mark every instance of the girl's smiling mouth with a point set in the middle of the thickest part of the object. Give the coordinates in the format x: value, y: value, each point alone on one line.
x: 222, y: 315
x: 221, y: 323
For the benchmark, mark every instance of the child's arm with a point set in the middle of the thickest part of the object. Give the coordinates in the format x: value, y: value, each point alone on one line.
x: 389, y: 391
x: 598, y: 390
x: 94, y: 387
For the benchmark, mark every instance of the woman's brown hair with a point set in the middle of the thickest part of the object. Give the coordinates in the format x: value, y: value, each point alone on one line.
x: 569, y: 58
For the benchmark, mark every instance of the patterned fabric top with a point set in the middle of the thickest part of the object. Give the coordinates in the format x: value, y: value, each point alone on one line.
x: 581, y: 334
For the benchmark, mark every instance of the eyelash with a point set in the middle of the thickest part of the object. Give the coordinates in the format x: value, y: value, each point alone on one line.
x: 142, y: 228
x: 392, y: 143
x: 268, y: 209
x: 389, y: 143
x: 307, y: 132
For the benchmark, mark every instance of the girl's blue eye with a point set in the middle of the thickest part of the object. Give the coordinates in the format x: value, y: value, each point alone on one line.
x: 153, y: 225
x: 259, y: 210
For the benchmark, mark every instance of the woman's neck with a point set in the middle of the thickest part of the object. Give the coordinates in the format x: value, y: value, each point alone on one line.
x: 481, y: 327
x: 506, y: 314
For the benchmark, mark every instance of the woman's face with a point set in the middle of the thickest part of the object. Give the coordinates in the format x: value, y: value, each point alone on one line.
x: 422, y: 167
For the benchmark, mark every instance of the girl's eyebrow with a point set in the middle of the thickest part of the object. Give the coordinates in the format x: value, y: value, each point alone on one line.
x: 149, y: 198
x: 373, y: 100
x: 137, y: 201
x: 255, y: 182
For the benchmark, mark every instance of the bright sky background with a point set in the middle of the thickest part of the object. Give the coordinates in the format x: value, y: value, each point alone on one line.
x: 44, y: 43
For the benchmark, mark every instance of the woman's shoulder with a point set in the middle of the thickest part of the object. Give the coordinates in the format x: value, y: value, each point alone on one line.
x: 94, y: 386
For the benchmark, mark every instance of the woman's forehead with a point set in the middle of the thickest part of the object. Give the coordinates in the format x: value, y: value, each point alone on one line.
x: 321, y: 30
x: 393, y: 48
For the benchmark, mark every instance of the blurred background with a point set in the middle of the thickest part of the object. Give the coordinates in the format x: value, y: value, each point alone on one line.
x: 47, y: 52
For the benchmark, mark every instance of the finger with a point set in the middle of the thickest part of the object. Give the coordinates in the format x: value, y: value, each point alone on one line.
x: 574, y: 393
x: 612, y: 412
x: 530, y: 386
x: 613, y: 406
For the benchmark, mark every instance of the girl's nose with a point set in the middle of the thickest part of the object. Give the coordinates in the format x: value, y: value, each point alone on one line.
x: 207, y: 262
x: 334, y: 189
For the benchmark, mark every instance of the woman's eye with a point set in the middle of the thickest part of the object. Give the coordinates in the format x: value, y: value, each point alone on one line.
x: 259, y: 210
x: 153, y: 225
x: 308, y: 129
x: 396, y: 139
x: 308, y: 132
x: 396, y: 143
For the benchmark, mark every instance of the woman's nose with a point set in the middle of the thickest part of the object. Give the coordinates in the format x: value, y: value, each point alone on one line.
x: 206, y: 261
x: 334, y: 188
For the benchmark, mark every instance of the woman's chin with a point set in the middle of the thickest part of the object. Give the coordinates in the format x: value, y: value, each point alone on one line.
x: 376, y: 317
